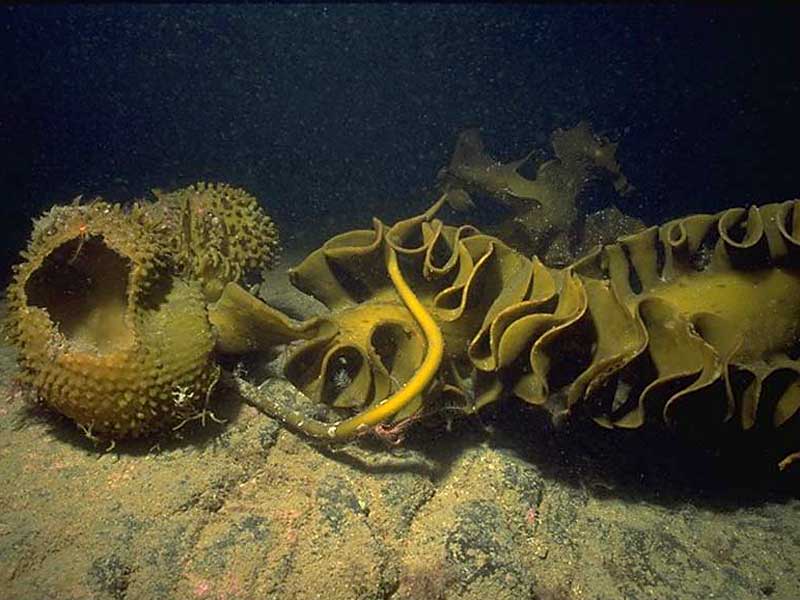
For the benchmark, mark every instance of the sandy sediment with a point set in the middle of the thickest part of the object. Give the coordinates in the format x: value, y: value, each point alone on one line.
x: 503, y: 508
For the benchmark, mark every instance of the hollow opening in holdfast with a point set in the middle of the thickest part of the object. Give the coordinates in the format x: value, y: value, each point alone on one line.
x: 83, y: 287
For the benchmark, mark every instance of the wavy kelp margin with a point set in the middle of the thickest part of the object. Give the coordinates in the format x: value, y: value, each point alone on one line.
x: 693, y: 324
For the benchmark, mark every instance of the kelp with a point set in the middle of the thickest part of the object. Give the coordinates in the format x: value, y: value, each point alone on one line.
x: 692, y: 325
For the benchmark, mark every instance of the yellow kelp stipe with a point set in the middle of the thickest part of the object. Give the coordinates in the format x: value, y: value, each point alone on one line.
x: 426, y: 372
x: 364, y: 421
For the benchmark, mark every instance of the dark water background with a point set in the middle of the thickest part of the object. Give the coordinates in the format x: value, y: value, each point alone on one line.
x: 330, y: 114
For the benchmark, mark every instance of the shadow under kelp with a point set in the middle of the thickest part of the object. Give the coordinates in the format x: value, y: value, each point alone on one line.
x: 652, y: 464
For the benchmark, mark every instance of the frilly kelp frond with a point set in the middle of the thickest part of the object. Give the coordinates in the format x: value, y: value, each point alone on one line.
x: 693, y: 325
